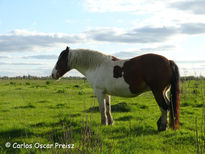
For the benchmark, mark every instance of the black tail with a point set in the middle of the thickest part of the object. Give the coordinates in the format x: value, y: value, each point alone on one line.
x: 175, y: 97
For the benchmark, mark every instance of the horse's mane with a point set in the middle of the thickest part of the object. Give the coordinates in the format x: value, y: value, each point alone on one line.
x: 87, y: 58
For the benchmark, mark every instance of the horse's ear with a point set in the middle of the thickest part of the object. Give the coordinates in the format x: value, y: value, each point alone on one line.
x: 67, y: 48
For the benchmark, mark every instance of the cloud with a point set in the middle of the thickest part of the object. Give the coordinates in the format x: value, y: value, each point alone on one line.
x: 152, y: 12
x: 195, y: 6
x: 41, y: 57
x: 126, y: 54
x: 138, y: 35
x: 29, y: 41
x: 23, y: 40
x: 193, y: 28
x: 4, y: 57
x: 159, y: 48
x: 151, y: 7
x: 21, y: 63
x: 111, y: 5
x: 130, y: 54
x: 139, y: 6
x: 191, y: 61
x: 145, y: 34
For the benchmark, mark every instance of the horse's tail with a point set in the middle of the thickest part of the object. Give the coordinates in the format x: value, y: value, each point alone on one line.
x: 174, y: 97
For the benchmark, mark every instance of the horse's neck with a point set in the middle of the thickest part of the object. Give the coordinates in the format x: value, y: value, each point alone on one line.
x: 86, y: 60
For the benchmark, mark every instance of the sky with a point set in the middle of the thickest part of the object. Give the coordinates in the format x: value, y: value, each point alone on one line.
x: 34, y: 32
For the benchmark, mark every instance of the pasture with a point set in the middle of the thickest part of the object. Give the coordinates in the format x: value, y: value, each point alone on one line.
x: 66, y: 112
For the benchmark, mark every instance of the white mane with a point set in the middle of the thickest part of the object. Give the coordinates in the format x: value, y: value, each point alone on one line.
x: 87, y: 59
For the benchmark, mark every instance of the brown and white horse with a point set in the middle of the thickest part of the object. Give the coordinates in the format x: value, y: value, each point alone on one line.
x: 109, y: 75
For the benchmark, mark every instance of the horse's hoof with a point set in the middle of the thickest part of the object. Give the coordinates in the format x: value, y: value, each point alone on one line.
x: 111, y: 122
x: 161, y: 127
x: 104, y: 122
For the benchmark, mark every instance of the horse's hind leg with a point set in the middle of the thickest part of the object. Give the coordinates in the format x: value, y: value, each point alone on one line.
x: 102, y: 106
x: 108, y: 110
x: 162, y: 102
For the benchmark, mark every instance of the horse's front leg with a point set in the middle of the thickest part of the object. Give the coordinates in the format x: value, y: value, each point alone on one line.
x: 102, y: 106
x: 108, y: 110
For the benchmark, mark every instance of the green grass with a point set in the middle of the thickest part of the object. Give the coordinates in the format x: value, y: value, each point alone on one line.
x: 66, y: 112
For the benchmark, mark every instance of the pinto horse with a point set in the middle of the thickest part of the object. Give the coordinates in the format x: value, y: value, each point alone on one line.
x: 109, y: 75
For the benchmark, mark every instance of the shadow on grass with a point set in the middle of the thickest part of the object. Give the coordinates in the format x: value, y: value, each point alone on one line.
x: 9, y: 135
x: 58, y: 106
x: 43, y: 101
x: 186, y: 104
x: 143, y: 130
x: 120, y: 107
x: 141, y: 106
x: 66, y: 122
x: 124, y: 132
x: 4, y: 110
x: 188, y: 139
x: 14, y: 133
x: 188, y: 112
x: 31, y: 106
x: 125, y: 118
x: 74, y: 115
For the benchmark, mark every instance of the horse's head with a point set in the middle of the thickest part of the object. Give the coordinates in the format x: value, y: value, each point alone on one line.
x: 62, y: 65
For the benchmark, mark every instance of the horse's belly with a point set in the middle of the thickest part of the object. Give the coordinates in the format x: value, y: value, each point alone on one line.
x: 119, y: 89
x: 121, y: 93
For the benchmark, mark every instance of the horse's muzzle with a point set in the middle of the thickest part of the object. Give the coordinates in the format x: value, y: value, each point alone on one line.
x: 55, y: 76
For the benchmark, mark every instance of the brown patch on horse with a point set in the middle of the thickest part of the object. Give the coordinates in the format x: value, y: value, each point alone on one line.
x: 115, y: 58
x: 133, y: 75
x: 62, y: 63
x: 150, y: 69
x: 117, y: 71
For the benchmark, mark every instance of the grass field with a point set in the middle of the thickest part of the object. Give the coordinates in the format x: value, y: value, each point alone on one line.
x: 34, y: 114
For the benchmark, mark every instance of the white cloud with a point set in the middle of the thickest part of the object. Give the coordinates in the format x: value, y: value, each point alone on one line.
x: 5, y: 57
x: 147, y: 34
x: 193, y: 28
x: 160, y: 12
x: 46, y: 57
x: 138, y: 35
x: 22, y: 63
x: 153, y: 49
x: 23, y: 40
x: 112, y: 5
x: 140, y: 6
x: 195, y: 6
x: 29, y: 41
x: 137, y: 6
